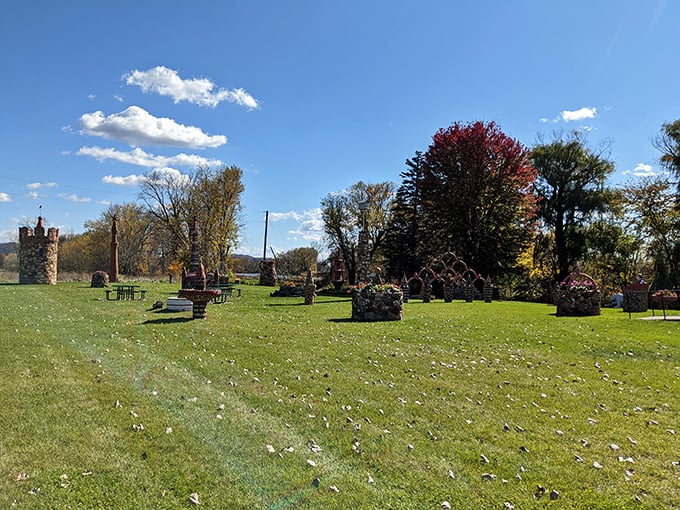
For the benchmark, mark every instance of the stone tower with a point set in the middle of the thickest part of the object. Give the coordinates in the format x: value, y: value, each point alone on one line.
x: 38, y: 254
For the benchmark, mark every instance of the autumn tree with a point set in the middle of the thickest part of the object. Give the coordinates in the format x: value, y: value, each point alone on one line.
x: 297, y: 261
x: 135, y: 250
x: 571, y: 187
x: 91, y: 250
x: 474, y: 196
x: 215, y: 201
x: 165, y: 194
x: 651, y: 203
x: 212, y: 197
x: 78, y: 253
x: 343, y: 220
x: 668, y: 143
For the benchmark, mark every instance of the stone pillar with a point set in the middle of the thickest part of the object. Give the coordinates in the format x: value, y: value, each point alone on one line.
x: 363, y: 262
x: 427, y: 290
x: 469, y: 291
x: 449, y: 285
x: 405, y: 289
x: 310, y: 289
x: 113, y: 259
x: 488, y: 290
x: 268, y: 273
x: 195, y: 278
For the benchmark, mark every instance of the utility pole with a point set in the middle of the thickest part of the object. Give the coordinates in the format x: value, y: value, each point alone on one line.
x: 266, y: 224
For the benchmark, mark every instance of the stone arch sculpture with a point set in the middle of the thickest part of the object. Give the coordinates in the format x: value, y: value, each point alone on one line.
x: 449, y: 277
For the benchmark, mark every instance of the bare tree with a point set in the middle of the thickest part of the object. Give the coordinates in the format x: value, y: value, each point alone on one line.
x: 343, y: 219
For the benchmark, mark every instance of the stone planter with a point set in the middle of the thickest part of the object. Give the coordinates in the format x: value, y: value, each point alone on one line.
x: 577, y: 302
x: 199, y: 299
x: 377, y: 306
x: 665, y: 299
x: 636, y: 297
x: 578, y: 294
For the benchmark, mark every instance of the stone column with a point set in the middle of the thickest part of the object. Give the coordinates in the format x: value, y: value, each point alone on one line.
x: 310, y: 289
x: 113, y: 260
x: 363, y: 262
x: 488, y: 290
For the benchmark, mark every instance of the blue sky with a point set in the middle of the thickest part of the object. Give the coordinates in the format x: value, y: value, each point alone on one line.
x: 308, y: 97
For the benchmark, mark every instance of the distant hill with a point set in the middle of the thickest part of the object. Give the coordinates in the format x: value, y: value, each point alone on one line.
x: 6, y: 248
x: 246, y: 264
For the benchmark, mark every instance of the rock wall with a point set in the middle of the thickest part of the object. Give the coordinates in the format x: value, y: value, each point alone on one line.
x: 377, y: 306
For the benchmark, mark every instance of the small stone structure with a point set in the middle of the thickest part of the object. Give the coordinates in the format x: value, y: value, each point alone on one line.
x: 309, y: 290
x: 636, y: 297
x: 577, y: 295
x: 339, y: 275
x: 385, y: 305
x: 38, y: 254
x: 268, y: 273
x: 99, y: 279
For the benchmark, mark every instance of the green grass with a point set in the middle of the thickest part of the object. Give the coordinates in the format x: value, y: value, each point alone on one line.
x: 110, y: 404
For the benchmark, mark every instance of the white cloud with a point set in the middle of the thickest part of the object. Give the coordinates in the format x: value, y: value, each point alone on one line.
x: 290, y: 215
x: 171, y: 175
x: 543, y: 120
x: 310, y: 226
x: 32, y: 194
x: 135, y: 126
x: 642, y: 170
x: 4, y: 197
x: 129, y: 180
x: 580, y: 114
x: 142, y: 158
x: 118, y: 98
x: 7, y: 236
x: 38, y: 185
x: 167, y: 82
x: 74, y: 198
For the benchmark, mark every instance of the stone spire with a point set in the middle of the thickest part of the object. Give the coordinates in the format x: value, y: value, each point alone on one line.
x: 113, y: 260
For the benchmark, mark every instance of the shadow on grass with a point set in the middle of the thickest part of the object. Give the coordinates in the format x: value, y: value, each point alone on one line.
x: 170, y: 317
x: 315, y: 303
x: 168, y: 320
x: 344, y: 319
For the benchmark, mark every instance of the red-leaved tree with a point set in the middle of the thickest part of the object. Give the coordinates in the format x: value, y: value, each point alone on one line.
x: 476, y: 196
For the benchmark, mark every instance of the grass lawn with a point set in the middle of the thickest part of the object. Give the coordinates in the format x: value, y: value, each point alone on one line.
x: 268, y: 403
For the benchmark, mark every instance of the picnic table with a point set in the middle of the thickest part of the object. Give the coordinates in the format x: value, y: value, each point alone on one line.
x: 228, y: 290
x: 123, y: 291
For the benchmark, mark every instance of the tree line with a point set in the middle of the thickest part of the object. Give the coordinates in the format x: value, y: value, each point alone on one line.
x: 523, y: 216
x: 154, y: 231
